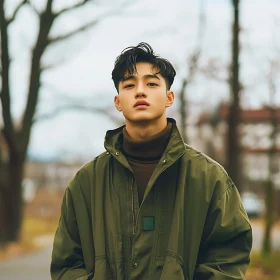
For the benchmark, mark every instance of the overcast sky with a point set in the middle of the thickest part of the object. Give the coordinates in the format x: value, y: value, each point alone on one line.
x: 86, y: 61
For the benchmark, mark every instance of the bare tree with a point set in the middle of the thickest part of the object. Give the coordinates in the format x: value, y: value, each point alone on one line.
x: 269, y: 185
x: 192, y: 69
x: 17, y: 137
x: 233, y: 149
x: 213, y: 70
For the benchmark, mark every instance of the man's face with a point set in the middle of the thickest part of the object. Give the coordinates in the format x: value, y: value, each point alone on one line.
x: 143, y: 96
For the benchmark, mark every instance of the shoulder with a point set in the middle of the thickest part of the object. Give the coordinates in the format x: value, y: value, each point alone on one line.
x: 90, y: 167
x: 84, y: 176
x: 199, y: 158
x: 207, y: 171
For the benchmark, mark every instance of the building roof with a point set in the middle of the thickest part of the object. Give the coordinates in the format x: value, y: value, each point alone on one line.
x: 246, y: 115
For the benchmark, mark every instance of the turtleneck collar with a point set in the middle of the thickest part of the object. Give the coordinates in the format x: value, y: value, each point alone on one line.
x: 151, y: 148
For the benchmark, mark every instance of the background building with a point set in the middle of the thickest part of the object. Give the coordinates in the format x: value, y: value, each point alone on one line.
x: 257, y: 147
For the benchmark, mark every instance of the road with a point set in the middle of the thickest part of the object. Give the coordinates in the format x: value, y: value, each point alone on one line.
x: 35, y: 266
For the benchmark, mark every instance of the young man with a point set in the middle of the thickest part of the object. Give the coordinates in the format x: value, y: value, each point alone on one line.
x: 150, y: 207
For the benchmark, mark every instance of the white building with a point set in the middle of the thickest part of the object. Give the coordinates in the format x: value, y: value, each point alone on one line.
x: 255, y: 138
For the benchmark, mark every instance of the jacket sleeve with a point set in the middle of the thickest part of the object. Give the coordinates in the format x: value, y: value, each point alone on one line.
x: 227, y: 239
x: 67, y: 256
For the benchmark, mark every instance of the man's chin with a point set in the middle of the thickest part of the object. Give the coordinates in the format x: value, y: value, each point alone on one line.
x: 143, y: 119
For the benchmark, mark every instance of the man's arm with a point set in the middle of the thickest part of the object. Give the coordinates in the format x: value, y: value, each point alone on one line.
x: 227, y: 239
x: 67, y: 256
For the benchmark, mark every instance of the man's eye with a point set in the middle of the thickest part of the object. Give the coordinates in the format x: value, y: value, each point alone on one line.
x: 128, y: 86
x: 152, y: 84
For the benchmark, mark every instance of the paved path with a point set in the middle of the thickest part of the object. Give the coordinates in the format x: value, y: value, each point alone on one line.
x: 35, y: 266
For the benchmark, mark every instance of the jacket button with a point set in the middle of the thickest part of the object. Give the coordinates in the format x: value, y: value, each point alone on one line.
x: 135, y: 264
x: 117, y: 153
x: 164, y: 161
x: 107, y: 153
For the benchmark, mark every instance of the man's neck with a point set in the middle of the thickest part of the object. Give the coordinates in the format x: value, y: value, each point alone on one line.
x: 140, y: 131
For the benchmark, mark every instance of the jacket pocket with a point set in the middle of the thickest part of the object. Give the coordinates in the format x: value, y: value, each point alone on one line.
x: 159, y: 263
x: 102, y: 269
x: 85, y: 277
x: 77, y: 273
x: 172, y: 268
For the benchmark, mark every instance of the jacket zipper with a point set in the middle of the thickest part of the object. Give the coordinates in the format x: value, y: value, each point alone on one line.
x: 133, y: 215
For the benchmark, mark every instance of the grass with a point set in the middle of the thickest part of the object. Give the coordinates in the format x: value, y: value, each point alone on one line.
x: 34, y: 227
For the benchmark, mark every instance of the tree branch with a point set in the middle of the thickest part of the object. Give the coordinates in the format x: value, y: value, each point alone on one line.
x: 63, y: 96
x: 72, y: 33
x: 194, y: 58
x: 46, y: 22
x: 16, y: 11
x: 192, y: 69
x: 193, y: 65
x: 212, y: 70
x: 47, y: 18
x: 54, y: 65
x: 34, y: 9
x: 83, y: 108
x: 87, y: 25
x: 71, y: 8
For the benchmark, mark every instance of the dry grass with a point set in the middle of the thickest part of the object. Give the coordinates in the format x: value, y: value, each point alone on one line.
x: 40, y: 220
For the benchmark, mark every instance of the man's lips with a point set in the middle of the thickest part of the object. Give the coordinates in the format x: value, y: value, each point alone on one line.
x: 142, y: 102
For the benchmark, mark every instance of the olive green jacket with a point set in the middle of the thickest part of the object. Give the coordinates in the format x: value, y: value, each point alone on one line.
x: 190, y: 225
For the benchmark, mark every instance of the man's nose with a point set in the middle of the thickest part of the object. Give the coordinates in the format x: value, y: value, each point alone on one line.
x: 140, y: 92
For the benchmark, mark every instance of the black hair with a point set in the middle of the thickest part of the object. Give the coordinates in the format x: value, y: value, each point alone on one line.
x: 126, y: 64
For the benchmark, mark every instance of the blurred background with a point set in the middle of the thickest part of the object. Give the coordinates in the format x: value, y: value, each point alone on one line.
x: 57, y: 104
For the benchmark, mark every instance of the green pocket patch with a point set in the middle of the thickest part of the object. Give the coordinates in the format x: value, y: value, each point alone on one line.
x: 148, y: 223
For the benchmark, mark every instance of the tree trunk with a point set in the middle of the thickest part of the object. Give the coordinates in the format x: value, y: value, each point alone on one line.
x: 269, y: 217
x: 11, y: 203
x: 2, y: 215
x: 273, y: 168
x: 183, y: 111
x: 234, y: 110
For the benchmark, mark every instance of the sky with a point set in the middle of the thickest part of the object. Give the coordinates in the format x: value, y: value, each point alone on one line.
x: 84, y: 63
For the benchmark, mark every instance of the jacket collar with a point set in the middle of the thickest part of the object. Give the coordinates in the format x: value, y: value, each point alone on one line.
x: 175, y: 147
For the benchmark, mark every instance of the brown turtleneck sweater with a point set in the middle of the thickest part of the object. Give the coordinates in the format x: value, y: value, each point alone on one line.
x: 144, y: 156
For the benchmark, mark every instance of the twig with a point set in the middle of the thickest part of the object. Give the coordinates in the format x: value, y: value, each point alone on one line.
x: 16, y: 11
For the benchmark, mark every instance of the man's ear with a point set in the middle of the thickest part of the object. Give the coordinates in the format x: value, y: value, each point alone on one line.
x: 170, y: 98
x: 117, y: 103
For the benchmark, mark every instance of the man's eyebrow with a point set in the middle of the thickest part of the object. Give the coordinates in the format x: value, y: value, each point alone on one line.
x: 151, y: 76
x: 148, y: 76
x: 128, y: 78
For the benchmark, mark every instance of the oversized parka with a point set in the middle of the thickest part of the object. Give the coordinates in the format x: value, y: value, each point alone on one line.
x: 190, y: 225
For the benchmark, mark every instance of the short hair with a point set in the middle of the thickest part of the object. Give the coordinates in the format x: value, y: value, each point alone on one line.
x: 126, y: 64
